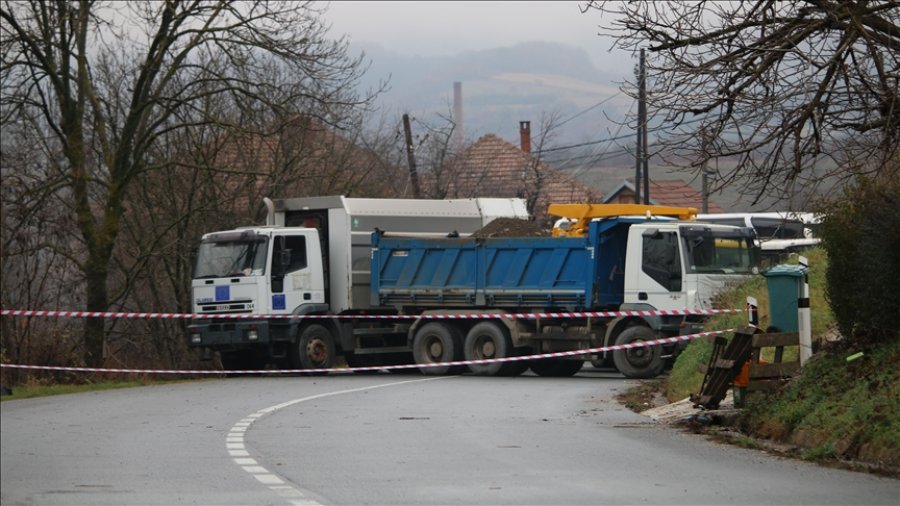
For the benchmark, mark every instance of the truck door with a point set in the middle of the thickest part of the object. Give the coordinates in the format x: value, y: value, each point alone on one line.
x: 660, y: 280
x: 296, y: 277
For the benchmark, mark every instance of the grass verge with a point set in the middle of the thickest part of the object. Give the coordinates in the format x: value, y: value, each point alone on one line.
x: 834, y: 411
x: 29, y: 391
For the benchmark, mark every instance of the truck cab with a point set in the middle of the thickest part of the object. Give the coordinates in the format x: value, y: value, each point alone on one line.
x: 259, y: 271
x: 681, y: 266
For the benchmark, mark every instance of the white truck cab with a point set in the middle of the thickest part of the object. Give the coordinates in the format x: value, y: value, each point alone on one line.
x: 265, y: 270
x: 675, y: 265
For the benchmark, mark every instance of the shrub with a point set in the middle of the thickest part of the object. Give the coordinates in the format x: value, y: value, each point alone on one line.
x: 861, y: 234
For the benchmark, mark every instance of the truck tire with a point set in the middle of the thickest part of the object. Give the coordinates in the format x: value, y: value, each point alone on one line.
x: 314, y: 349
x: 642, y: 362
x: 435, y: 343
x: 554, y: 367
x: 488, y: 340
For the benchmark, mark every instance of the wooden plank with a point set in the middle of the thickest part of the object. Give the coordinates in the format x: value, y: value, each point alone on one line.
x: 782, y: 370
x: 719, y: 379
x: 724, y: 363
x: 779, y: 354
x: 776, y: 339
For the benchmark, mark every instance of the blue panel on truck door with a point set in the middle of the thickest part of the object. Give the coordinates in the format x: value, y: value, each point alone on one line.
x: 223, y: 293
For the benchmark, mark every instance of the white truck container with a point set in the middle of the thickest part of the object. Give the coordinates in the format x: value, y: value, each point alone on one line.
x: 237, y: 271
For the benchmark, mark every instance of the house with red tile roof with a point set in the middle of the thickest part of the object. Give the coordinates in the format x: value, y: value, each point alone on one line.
x: 663, y: 192
x: 493, y: 167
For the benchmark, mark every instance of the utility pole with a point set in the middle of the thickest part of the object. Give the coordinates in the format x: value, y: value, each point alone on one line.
x: 638, y: 157
x: 642, y: 110
x: 411, y: 158
x: 704, y: 174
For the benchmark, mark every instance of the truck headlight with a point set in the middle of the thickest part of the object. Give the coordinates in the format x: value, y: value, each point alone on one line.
x: 195, y: 339
x: 252, y: 335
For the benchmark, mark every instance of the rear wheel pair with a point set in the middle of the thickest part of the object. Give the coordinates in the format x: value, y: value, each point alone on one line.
x: 437, y: 343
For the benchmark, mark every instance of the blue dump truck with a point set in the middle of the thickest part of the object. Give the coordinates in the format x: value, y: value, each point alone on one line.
x: 622, y: 257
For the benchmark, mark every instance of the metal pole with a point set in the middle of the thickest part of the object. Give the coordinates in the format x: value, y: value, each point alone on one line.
x: 804, y: 321
x: 752, y: 312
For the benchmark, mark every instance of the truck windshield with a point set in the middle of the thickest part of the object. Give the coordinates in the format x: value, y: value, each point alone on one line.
x: 225, y: 256
x: 720, y: 251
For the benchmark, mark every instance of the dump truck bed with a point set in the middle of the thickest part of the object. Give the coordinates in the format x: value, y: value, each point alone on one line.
x: 523, y: 273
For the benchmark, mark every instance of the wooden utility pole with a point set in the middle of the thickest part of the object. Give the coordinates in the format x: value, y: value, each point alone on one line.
x: 642, y: 110
x: 637, y: 151
x: 411, y: 158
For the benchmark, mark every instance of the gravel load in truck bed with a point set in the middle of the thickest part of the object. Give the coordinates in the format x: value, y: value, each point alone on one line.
x: 511, y: 227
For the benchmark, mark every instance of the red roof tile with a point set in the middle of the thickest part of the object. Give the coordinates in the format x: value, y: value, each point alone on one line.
x: 493, y: 167
x: 667, y: 192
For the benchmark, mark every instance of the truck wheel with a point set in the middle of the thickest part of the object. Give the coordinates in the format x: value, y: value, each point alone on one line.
x: 553, y: 367
x: 435, y: 343
x: 641, y: 362
x: 488, y: 340
x: 315, y: 349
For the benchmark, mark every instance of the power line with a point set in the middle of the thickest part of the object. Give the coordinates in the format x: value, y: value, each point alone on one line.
x: 589, y: 109
x: 610, y: 139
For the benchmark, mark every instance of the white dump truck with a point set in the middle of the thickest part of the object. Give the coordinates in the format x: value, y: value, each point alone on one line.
x: 371, y: 279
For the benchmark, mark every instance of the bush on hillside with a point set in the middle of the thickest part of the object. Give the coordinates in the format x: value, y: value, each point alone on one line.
x: 861, y: 233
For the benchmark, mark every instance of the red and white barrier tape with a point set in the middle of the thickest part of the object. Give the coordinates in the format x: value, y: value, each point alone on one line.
x: 558, y: 354
x: 253, y: 316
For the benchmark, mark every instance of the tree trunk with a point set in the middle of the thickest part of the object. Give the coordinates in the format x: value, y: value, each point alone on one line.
x: 96, y: 274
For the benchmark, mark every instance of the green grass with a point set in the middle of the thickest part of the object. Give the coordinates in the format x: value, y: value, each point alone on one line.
x: 30, y: 391
x: 687, y: 376
x: 833, y: 409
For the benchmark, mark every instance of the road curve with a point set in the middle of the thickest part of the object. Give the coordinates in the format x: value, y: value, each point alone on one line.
x: 387, y: 439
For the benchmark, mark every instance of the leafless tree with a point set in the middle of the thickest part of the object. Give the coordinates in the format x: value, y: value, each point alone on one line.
x: 786, y: 88
x: 108, y: 82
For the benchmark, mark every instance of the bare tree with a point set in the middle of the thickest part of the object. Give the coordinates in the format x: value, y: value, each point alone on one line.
x: 786, y: 88
x: 110, y: 81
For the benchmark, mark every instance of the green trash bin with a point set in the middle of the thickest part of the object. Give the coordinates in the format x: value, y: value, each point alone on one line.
x: 785, y: 284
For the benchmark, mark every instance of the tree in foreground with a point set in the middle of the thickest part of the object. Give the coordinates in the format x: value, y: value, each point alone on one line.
x: 101, y: 86
x: 794, y: 91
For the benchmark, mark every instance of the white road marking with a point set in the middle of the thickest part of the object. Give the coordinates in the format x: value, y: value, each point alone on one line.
x: 234, y: 443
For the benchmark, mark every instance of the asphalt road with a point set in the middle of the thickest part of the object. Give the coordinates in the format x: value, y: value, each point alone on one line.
x: 387, y: 439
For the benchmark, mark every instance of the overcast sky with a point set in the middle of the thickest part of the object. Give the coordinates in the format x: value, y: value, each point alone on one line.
x: 428, y: 28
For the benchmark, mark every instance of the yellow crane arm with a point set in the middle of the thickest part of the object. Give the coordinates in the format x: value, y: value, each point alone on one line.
x: 584, y: 213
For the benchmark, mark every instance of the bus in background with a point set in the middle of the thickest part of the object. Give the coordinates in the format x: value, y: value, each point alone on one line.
x: 779, y: 233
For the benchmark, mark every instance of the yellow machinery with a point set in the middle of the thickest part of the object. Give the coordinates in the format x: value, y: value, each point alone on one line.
x: 584, y: 213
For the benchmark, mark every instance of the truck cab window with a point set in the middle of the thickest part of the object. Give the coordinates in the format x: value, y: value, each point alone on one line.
x: 297, y: 247
x: 661, y: 260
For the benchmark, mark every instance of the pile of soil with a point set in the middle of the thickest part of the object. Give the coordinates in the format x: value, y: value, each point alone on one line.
x: 510, y: 227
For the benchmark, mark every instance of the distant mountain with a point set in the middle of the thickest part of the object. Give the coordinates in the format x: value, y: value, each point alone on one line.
x: 501, y: 87
x: 527, y: 81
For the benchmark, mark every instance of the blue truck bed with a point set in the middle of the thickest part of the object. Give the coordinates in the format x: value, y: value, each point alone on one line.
x: 523, y: 272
